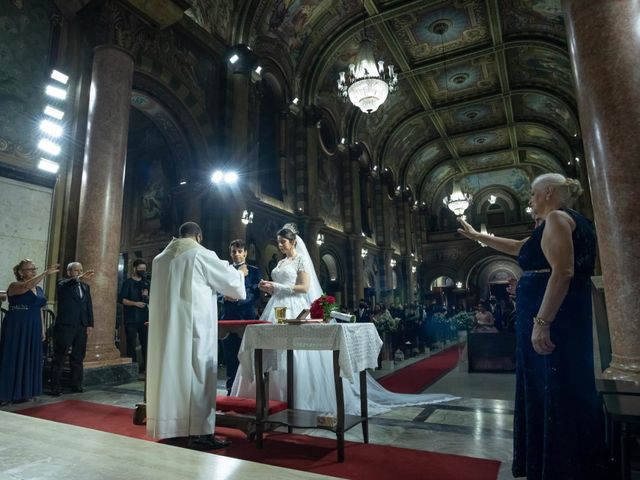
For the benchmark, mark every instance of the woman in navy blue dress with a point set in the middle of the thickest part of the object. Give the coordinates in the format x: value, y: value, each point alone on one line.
x: 558, y: 417
x: 21, y: 339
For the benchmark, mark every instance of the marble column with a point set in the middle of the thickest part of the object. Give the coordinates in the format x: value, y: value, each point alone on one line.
x: 604, y: 42
x: 100, y: 215
x: 356, y: 243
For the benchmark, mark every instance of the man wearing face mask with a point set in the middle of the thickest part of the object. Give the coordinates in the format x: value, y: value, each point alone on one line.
x: 134, y: 296
x: 239, y: 309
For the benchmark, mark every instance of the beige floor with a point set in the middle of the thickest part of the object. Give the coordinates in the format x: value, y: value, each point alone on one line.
x: 31, y: 448
x: 476, y: 425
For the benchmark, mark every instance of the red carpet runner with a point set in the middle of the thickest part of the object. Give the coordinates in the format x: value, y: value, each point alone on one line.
x: 300, y: 452
x: 415, y: 378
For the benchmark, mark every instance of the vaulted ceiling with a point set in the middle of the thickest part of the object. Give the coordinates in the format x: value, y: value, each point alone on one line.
x: 486, y: 88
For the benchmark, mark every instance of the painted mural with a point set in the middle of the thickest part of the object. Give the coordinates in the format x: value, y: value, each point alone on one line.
x: 422, y: 162
x: 539, y: 16
x: 462, y: 79
x: 492, y: 160
x: 544, y: 159
x: 546, y: 108
x: 25, y: 30
x: 215, y: 16
x: 545, y: 137
x: 479, y: 115
x: 464, y: 25
x: 435, y: 178
x: 487, y: 140
x: 329, y: 191
x: 513, y: 178
x: 540, y: 65
x: 418, y: 129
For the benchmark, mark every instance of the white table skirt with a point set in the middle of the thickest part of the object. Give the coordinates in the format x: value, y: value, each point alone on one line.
x: 359, y: 344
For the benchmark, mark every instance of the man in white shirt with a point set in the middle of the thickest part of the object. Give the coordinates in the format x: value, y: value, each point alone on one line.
x: 183, y: 338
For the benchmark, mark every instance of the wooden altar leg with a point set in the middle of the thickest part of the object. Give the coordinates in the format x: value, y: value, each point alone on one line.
x: 364, y: 406
x: 262, y: 397
x: 290, y: 386
x: 339, y: 404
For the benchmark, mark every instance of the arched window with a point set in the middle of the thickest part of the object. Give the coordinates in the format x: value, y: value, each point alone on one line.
x: 495, y: 215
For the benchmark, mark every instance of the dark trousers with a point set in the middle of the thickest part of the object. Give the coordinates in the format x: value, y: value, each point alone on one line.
x: 134, y: 331
x: 230, y: 349
x: 65, y: 337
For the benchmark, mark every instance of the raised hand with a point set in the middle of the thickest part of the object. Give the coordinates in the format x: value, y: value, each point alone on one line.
x: 88, y: 274
x: 467, y: 230
x: 52, y: 269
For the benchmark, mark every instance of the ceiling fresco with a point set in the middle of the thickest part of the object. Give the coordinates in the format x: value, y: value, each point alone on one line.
x: 430, y: 32
x: 485, y: 88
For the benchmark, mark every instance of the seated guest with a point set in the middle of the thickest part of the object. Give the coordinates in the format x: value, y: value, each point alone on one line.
x: 21, y: 338
x: 239, y: 309
x: 484, y: 319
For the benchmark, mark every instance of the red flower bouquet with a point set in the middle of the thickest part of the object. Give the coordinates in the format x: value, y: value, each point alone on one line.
x: 323, y: 306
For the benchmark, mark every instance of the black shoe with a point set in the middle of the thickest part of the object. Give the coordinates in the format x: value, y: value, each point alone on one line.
x: 206, y: 442
x: 77, y: 389
x: 55, y: 393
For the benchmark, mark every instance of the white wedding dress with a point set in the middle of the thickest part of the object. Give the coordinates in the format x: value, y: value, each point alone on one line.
x: 314, y: 384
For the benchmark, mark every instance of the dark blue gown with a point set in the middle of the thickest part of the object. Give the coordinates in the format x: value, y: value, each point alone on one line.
x: 558, y: 426
x: 21, y: 347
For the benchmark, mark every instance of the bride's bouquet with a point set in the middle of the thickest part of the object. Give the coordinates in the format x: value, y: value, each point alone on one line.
x: 323, y: 306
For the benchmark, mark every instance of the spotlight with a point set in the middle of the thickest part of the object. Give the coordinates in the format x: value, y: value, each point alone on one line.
x: 230, y: 177
x: 56, y: 92
x: 51, y: 128
x: 59, y: 77
x: 49, y: 147
x: 48, y: 166
x: 217, y: 176
x: 234, y: 58
x: 53, y: 112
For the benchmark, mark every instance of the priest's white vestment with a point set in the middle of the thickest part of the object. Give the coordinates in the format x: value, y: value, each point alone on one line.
x: 182, y: 355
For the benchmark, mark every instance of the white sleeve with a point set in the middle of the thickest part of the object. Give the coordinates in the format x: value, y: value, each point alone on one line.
x: 219, y: 275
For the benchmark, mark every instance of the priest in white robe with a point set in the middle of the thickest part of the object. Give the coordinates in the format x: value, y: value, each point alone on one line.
x: 183, y: 338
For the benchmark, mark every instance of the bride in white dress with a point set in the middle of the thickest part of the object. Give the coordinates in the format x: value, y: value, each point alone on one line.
x: 295, y: 286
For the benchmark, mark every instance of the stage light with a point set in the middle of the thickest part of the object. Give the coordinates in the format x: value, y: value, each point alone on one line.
x: 231, y: 177
x: 60, y: 77
x: 217, y: 176
x: 48, y: 146
x: 48, y: 166
x: 56, y: 92
x: 51, y: 128
x: 53, y: 112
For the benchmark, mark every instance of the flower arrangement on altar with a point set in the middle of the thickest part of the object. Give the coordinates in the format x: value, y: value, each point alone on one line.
x: 385, y: 322
x: 323, y: 306
x: 463, y: 320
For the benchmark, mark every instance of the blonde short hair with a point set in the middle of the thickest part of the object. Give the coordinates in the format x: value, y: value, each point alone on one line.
x: 566, y: 189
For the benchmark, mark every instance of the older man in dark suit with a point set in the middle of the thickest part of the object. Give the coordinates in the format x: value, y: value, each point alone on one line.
x: 75, y: 315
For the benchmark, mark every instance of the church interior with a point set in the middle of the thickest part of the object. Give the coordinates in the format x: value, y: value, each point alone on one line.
x: 122, y: 119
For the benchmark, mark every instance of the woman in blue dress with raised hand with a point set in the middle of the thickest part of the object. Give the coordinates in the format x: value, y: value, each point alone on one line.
x: 558, y: 421
x: 21, y: 338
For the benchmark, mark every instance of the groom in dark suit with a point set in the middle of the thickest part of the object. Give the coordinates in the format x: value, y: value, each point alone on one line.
x: 239, y: 309
x: 75, y: 315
